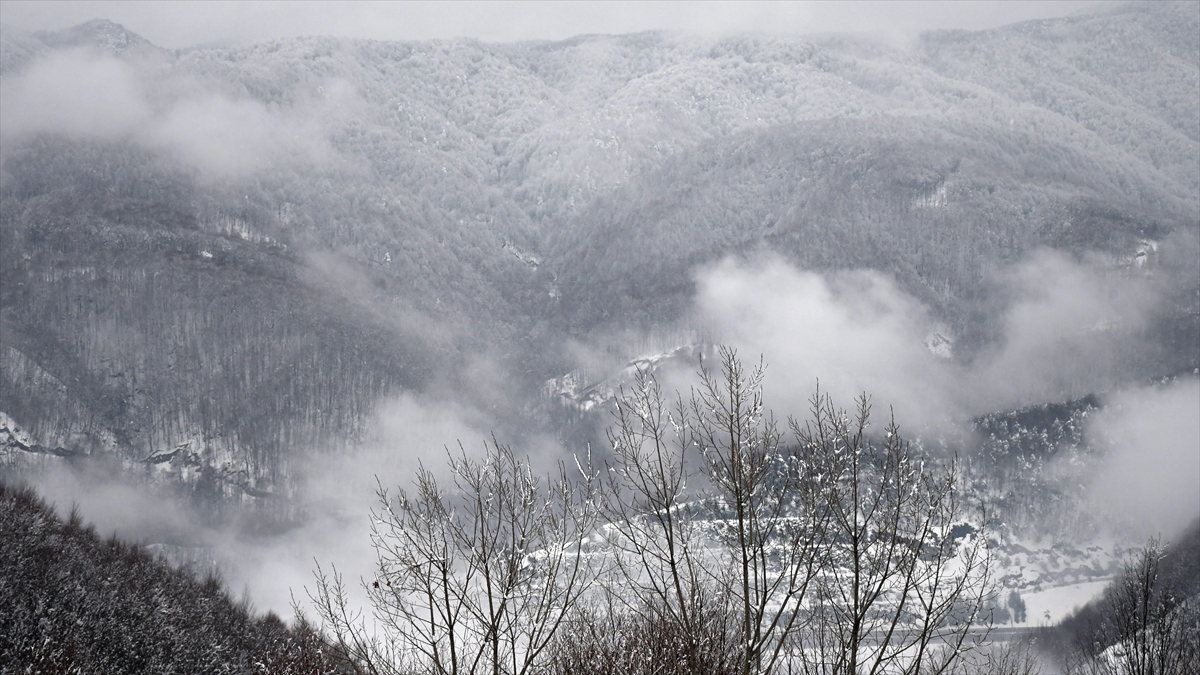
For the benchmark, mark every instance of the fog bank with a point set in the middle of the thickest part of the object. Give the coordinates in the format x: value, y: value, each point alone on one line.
x: 1069, y: 328
x: 1151, y: 479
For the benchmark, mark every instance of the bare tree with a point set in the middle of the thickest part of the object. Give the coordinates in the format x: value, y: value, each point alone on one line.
x: 1147, y: 628
x: 832, y: 554
x: 719, y: 548
x: 478, y: 580
x: 898, y: 593
x: 652, y: 530
x: 1017, y: 657
x: 606, y: 639
x: 773, y: 518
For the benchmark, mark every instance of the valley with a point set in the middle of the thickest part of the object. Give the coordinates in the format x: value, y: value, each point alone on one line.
x: 242, y: 287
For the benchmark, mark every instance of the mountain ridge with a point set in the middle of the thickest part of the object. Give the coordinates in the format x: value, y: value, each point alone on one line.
x: 309, y: 226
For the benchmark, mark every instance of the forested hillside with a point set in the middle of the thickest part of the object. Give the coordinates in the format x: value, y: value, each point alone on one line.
x: 74, y: 603
x: 1147, y: 618
x: 216, y: 260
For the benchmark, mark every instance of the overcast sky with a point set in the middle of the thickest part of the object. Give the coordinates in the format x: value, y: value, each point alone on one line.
x: 187, y: 23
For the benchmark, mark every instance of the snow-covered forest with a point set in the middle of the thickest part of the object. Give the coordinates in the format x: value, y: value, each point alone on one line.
x: 243, y: 287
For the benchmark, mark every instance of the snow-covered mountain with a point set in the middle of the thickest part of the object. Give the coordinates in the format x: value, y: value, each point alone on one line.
x: 217, y: 259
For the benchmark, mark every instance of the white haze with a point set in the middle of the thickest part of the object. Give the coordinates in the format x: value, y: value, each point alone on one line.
x: 1064, y: 333
x: 74, y: 94
x: 854, y: 331
x: 89, y: 97
x: 234, y: 138
x: 338, y: 497
x: 114, y: 505
x: 1152, y: 478
x: 1068, y: 327
x: 1072, y: 328
x: 187, y: 23
x: 86, y: 96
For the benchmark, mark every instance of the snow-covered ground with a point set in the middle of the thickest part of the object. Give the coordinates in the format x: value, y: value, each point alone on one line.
x: 1051, y: 605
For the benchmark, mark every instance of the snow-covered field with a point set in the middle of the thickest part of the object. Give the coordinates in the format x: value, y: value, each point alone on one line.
x: 1051, y: 605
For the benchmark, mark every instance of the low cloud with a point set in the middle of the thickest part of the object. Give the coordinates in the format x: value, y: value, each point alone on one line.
x: 187, y: 23
x: 1151, y: 478
x: 74, y: 94
x: 229, y: 138
x: 854, y: 331
x: 86, y: 96
x: 1069, y: 329
x: 116, y: 504
x: 339, y: 496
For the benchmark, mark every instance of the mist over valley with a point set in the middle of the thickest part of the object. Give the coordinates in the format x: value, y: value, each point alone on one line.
x: 243, y: 287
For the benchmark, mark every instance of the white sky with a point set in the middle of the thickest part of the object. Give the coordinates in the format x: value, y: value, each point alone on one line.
x: 184, y: 23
